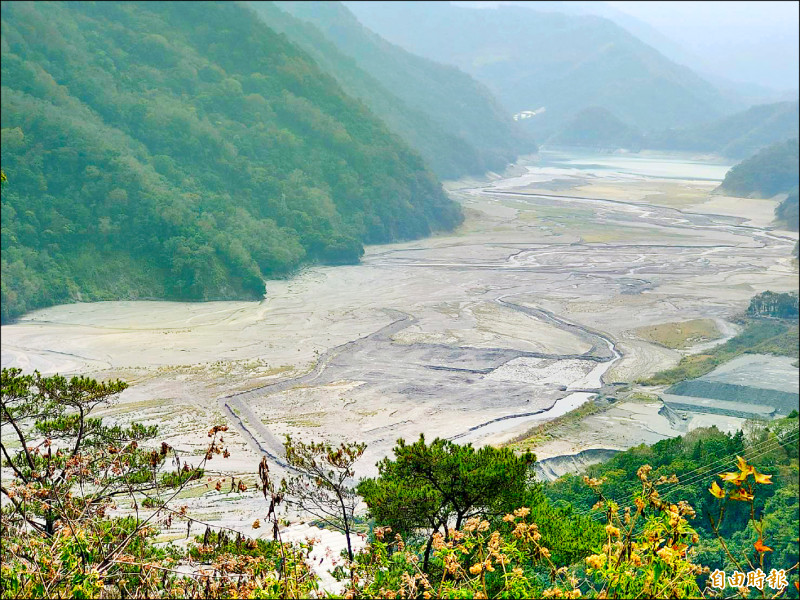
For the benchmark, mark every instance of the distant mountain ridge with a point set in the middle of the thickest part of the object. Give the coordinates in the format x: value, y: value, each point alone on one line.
x: 738, y: 135
x: 185, y: 151
x: 596, y: 127
x: 451, y: 119
x: 565, y: 63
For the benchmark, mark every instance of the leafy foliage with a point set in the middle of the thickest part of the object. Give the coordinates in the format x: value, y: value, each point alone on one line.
x: 648, y: 551
x: 66, y: 476
x: 696, y: 460
x: 432, y: 487
x: 449, y: 118
x: 187, y: 152
x: 48, y: 418
x: 773, y: 170
x: 772, y: 304
x: 321, y: 486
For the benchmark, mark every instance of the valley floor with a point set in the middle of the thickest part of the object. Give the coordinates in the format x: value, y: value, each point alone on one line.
x: 566, y: 275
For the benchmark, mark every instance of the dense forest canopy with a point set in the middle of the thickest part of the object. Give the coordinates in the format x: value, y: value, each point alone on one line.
x: 186, y: 151
x: 449, y: 118
x: 773, y: 170
x: 696, y: 458
x: 774, y: 304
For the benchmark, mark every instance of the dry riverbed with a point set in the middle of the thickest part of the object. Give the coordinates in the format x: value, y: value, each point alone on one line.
x: 566, y: 278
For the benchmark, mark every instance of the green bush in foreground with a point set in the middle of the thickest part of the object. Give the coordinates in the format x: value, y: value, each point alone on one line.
x: 645, y: 545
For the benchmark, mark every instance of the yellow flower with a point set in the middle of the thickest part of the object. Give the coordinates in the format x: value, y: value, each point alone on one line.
x: 741, y: 494
x: 743, y: 466
x: 666, y: 554
x: 596, y: 561
x: 612, y: 531
x: 736, y: 477
x: 760, y: 547
x: 438, y: 541
x: 522, y: 512
x: 761, y: 478
x: 716, y: 491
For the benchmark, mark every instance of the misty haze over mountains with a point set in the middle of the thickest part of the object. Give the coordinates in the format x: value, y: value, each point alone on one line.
x: 699, y: 35
x: 339, y: 145
x: 557, y: 59
x: 554, y: 242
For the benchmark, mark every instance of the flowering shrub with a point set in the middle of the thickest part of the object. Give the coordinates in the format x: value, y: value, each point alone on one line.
x: 59, y: 540
x: 649, y: 552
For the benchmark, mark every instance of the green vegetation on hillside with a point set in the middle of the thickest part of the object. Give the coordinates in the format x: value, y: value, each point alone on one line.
x: 449, y: 118
x: 596, y: 127
x: 739, y: 135
x: 772, y: 304
x: 788, y: 211
x: 564, y: 63
x: 450, y: 521
x: 773, y: 170
x: 759, y: 336
x: 696, y: 459
x: 185, y: 151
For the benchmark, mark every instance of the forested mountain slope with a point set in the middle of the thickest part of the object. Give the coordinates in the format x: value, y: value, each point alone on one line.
x: 774, y: 170
x: 739, y: 135
x: 696, y: 459
x: 596, y: 127
x: 450, y: 119
x: 185, y: 150
x: 564, y: 63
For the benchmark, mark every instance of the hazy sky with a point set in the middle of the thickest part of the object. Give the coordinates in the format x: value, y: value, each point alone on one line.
x: 755, y: 42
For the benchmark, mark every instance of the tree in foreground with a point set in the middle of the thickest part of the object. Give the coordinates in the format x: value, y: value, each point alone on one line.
x: 649, y: 551
x: 64, y: 471
x: 321, y: 486
x: 438, y: 486
x: 51, y: 443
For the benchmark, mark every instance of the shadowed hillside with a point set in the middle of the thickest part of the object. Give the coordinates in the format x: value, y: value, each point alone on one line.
x: 185, y: 151
x: 450, y: 119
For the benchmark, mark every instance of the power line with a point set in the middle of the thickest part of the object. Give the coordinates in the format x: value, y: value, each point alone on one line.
x: 713, y: 468
x: 775, y: 445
